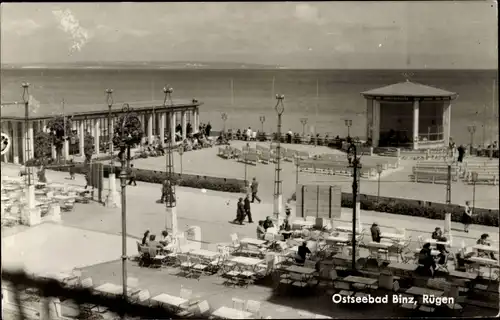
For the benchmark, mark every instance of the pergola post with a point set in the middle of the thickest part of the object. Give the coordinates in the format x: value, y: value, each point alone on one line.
x: 172, y: 126
x: 15, y: 142
x: 446, y: 122
x: 82, y: 139
x: 162, y: 128
x: 150, y: 128
x: 184, y: 124
x: 376, y: 123
x: 416, y: 107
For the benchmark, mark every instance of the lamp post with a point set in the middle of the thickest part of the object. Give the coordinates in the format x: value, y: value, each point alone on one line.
x: 125, y: 140
x: 112, y: 199
x: 171, y: 203
x: 262, y: 119
x: 224, y: 118
x: 180, y: 150
x: 472, y: 130
x: 296, y: 157
x: 27, y: 150
x: 355, y: 164
x: 280, y: 108
x: 449, y: 162
x: 474, y: 180
x: 380, y: 169
x: 167, y: 90
x: 348, y: 124
x: 30, y: 188
x: 304, y: 122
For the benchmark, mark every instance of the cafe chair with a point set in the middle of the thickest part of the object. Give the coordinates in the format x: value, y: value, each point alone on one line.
x: 254, y: 308
x: 238, y: 304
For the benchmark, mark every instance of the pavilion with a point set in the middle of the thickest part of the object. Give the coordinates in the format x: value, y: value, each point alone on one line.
x: 156, y: 118
x: 409, y: 115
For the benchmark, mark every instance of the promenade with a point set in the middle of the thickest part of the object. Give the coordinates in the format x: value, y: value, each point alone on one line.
x: 394, y: 184
x: 213, y: 210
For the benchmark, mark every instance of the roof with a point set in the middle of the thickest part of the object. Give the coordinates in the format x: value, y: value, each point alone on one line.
x: 409, y: 89
x: 13, y: 111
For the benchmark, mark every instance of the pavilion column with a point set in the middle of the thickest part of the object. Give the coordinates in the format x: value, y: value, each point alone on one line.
x: 416, y: 107
x: 15, y: 142
x: 446, y: 122
x: 172, y: 126
x: 150, y: 128
x: 31, y: 140
x: 82, y: 138
x: 196, y: 117
x: 183, y: 121
x: 97, y: 134
x: 376, y: 123
x: 23, y: 139
x: 162, y: 128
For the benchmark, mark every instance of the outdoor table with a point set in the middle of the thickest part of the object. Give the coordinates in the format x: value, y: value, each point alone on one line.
x: 490, y: 263
x: 462, y: 275
x: 362, y: 280
x: 418, y: 291
x: 348, y: 229
x: 170, y: 300
x: 304, y: 223
x: 435, y: 242
x: 485, y: 248
x: 299, y: 269
x: 379, y: 245
x: 204, y: 253
x: 252, y: 241
x: 403, y: 266
x: 230, y: 313
x: 61, y: 277
x: 395, y: 236
x: 250, y: 262
x: 109, y: 288
x: 337, y: 239
x: 342, y: 257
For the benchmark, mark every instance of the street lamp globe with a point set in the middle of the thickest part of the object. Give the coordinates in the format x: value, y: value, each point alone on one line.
x: 380, y: 168
x: 280, y: 107
x: 25, y: 86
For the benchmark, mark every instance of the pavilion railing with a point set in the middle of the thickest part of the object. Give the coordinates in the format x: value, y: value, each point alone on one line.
x: 19, y: 281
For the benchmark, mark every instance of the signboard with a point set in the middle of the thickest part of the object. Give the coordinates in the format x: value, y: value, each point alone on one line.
x: 318, y: 201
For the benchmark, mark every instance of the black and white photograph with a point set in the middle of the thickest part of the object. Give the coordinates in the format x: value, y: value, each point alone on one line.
x: 249, y: 160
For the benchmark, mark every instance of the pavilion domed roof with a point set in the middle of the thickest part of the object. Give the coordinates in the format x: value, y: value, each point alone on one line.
x: 409, y: 89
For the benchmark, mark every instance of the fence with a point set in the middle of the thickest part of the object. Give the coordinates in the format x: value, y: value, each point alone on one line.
x: 20, y: 281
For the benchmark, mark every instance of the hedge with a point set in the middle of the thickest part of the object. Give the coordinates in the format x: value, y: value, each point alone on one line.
x: 419, y: 208
x: 183, y: 180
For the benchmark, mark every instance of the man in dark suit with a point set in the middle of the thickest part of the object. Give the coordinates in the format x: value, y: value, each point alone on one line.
x: 247, y: 208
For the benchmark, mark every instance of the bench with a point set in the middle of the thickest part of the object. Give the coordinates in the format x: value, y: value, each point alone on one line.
x: 430, y: 171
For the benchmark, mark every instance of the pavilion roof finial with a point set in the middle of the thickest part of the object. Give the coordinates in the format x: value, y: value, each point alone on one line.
x: 408, y: 75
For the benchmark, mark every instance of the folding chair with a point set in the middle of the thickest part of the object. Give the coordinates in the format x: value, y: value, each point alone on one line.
x: 344, y: 287
x: 185, y: 264
x: 238, y: 304
x: 133, y: 286
x: 197, y: 267
x: 254, y: 308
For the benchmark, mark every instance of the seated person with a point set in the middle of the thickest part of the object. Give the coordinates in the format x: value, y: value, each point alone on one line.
x: 484, y: 241
x: 302, y: 253
x: 145, y: 238
x: 425, y: 258
x: 153, y: 245
x: 375, y: 231
x: 166, y: 238
x: 268, y: 223
x: 286, y: 228
x: 443, y: 253
x: 260, y: 230
x: 437, y: 233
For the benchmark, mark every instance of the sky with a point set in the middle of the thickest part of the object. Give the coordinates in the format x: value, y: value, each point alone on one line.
x: 337, y: 35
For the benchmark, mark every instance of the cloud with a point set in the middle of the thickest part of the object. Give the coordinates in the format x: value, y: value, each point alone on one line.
x: 23, y: 27
x: 70, y: 25
x: 307, y: 12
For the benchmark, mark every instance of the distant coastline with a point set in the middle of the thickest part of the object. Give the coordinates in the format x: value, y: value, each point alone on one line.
x: 185, y: 65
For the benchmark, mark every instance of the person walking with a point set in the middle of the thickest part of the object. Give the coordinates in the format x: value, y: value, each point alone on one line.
x: 467, y: 217
x: 255, y: 189
x: 246, y: 206
x: 131, y: 175
x: 240, y: 212
x: 71, y: 170
x: 164, y: 190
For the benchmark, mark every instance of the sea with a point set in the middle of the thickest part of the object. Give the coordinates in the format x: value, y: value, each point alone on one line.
x: 324, y: 97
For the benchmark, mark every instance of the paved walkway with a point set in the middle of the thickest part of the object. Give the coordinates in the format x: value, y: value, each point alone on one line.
x: 397, y: 184
x: 213, y: 210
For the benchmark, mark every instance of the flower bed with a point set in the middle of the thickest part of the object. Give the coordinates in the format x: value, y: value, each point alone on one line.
x: 183, y: 180
x: 418, y: 208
